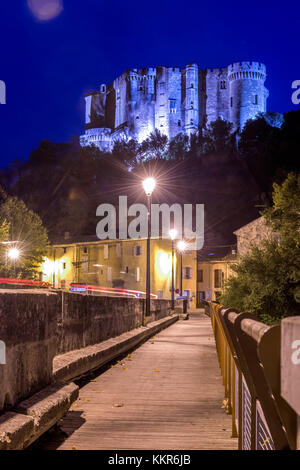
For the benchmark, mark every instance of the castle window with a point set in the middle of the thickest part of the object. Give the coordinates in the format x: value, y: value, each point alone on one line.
x: 192, y: 85
x: 255, y: 101
x: 137, y: 117
x: 231, y: 102
x: 179, y: 123
x: 140, y: 88
x: 223, y: 85
x: 172, y: 106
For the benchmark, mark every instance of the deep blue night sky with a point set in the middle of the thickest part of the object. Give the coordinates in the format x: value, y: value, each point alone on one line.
x: 49, y: 66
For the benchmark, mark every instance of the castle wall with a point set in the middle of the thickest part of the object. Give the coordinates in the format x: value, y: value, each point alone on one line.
x: 174, y: 100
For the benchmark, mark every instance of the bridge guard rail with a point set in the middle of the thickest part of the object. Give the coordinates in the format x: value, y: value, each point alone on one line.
x: 249, y: 358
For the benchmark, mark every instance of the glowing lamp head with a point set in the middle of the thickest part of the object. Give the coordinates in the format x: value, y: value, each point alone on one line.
x: 173, y: 233
x: 149, y: 185
x: 13, y: 253
x: 181, y: 245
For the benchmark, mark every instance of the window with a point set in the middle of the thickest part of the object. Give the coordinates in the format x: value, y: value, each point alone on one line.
x: 218, y: 278
x: 222, y: 85
x: 137, y: 250
x: 172, y: 106
x: 108, y: 273
x: 65, y: 250
x: 255, y: 99
x: 64, y: 265
x: 231, y: 102
x: 192, y: 85
x: 200, y: 275
x: 85, y: 249
x: 126, y: 269
x: 105, y: 251
x: 187, y: 272
x: 179, y: 123
x: 138, y: 277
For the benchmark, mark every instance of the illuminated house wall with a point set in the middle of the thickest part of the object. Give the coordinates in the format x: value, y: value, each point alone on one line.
x: 118, y: 264
x: 173, y: 100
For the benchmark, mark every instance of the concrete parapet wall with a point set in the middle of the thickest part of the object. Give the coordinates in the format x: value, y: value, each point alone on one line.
x: 28, y: 324
x: 37, y: 326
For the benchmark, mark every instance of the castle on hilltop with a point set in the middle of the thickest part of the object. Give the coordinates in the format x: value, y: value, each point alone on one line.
x: 173, y: 100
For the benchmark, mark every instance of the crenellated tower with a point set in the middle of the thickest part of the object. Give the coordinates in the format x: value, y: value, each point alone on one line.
x: 247, y: 93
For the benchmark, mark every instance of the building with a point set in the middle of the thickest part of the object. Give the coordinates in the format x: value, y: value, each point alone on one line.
x: 213, y: 269
x: 173, y: 100
x: 213, y: 266
x: 119, y: 266
x: 253, y: 233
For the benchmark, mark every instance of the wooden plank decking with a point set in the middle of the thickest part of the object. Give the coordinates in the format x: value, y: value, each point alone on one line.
x: 170, y: 391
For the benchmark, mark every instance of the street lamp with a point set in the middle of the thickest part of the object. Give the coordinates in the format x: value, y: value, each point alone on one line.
x: 181, y: 246
x: 148, y: 185
x: 173, y: 233
x: 13, y: 253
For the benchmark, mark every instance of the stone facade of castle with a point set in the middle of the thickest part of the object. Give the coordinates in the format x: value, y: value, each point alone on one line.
x: 173, y: 100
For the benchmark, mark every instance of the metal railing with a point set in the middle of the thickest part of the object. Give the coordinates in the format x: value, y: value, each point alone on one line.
x: 249, y: 358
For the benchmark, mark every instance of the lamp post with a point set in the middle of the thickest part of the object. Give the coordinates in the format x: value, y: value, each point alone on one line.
x: 181, y: 245
x: 13, y: 254
x: 173, y: 234
x: 148, y: 185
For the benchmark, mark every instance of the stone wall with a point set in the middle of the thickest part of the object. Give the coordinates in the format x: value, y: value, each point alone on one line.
x: 88, y: 319
x: 28, y: 324
x: 253, y: 234
x: 35, y: 326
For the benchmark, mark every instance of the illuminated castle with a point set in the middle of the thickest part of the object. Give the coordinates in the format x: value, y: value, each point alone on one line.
x: 173, y: 100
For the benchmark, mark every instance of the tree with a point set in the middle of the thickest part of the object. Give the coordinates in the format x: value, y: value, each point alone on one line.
x: 155, y: 146
x: 267, y: 279
x: 24, y: 228
x: 220, y: 137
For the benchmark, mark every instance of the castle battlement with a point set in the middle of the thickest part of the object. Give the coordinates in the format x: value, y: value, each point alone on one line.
x: 173, y: 100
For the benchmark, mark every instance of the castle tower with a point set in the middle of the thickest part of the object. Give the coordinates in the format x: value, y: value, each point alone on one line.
x: 191, y: 98
x: 247, y: 93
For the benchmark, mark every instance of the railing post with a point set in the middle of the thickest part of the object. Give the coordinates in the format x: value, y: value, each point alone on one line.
x: 290, y: 367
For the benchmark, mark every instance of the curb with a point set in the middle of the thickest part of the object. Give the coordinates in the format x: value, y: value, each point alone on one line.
x: 76, y: 363
x: 33, y: 417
